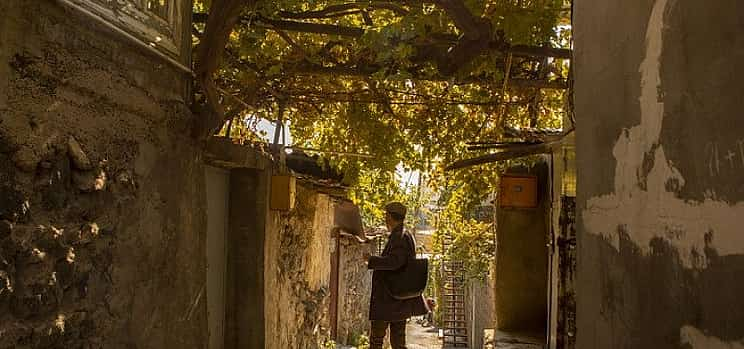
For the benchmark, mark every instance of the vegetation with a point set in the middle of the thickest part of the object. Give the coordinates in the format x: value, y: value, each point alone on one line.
x: 408, y: 83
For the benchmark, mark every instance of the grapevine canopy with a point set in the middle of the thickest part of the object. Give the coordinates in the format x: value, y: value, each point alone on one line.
x: 410, y: 83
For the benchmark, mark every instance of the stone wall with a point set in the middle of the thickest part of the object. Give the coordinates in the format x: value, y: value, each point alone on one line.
x: 101, y: 190
x: 660, y: 156
x: 355, y: 285
x: 297, y: 274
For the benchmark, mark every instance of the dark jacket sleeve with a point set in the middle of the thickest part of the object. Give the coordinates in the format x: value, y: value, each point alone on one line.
x: 392, y: 261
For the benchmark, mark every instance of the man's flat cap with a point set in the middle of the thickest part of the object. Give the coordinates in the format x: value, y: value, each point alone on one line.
x: 397, y: 208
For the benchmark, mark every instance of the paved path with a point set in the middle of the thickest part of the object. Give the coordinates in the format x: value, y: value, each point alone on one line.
x: 418, y: 337
x: 506, y: 340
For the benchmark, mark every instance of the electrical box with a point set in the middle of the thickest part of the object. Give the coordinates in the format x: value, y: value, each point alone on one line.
x: 283, y: 188
x: 518, y: 191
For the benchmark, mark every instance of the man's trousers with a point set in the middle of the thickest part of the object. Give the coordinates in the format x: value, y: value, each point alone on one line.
x: 397, y: 334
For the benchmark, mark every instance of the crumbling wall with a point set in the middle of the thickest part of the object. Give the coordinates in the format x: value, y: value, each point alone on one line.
x: 355, y: 288
x: 101, y: 190
x: 659, y: 156
x: 298, y: 269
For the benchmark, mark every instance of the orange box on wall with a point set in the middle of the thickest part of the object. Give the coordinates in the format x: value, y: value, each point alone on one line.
x: 283, y: 189
x: 518, y: 191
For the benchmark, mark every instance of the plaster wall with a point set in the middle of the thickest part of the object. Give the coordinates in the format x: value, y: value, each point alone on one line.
x: 246, y: 277
x: 479, y: 304
x: 218, y: 211
x: 659, y: 157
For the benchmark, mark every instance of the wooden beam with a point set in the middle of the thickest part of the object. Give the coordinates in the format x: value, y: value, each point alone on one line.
x: 513, y: 153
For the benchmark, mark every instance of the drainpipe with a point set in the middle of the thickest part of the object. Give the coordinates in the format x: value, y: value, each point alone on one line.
x: 551, y: 247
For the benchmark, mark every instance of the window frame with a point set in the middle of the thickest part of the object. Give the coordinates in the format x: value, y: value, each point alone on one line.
x: 170, y: 35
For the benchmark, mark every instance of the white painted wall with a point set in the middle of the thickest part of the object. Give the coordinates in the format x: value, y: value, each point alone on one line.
x: 217, y: 181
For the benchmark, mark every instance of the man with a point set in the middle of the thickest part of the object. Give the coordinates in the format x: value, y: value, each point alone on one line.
x: 430, y: 303
x: 384, y: 310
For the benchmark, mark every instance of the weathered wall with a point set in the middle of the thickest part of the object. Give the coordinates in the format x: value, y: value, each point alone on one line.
x: 479, y: 309
x: 217, y: 182
x: 297, y: 272
x: 106, y: 252
x: 522, y: 261
x: 246, y: 270
x: 660, y: 154
x: 355, y: 285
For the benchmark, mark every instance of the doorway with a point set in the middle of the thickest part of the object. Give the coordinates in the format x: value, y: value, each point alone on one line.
x: 522, y: 264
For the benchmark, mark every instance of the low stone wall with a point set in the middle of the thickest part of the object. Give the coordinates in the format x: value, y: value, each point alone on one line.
x: 298, y: 269
x: 355, y: 285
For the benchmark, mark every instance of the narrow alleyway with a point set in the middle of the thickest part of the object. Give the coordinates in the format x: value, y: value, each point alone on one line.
x: 419, y: 337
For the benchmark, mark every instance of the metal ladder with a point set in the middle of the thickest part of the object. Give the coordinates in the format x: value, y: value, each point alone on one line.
x: 454, y: 319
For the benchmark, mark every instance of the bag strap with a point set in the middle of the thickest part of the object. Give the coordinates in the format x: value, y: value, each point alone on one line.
x: 411, y: 243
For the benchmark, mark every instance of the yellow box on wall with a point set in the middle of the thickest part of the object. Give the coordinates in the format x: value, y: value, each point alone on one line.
x: 518, y: 191
x: 282, y: 192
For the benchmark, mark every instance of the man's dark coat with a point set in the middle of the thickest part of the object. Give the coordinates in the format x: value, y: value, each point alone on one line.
x: 398, y: 250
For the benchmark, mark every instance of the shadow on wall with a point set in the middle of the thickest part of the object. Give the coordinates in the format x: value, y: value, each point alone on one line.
x: 658, y: 302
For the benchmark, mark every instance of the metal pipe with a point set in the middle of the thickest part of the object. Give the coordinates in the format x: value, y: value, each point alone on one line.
x: 128, y: 36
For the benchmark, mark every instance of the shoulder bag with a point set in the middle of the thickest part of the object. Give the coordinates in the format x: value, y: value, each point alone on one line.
x: 409, y: 281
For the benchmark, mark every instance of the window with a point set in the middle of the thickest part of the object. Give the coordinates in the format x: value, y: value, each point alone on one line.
x: 162, y: 24
x: 158, y: 7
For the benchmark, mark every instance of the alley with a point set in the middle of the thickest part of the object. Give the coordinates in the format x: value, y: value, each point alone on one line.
x: 224, y: 174
x: 419, y: 337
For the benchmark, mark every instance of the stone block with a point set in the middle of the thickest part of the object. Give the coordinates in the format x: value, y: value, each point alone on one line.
x: 5, y: 228
x: 26, y: 159
x: 77, y: 155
